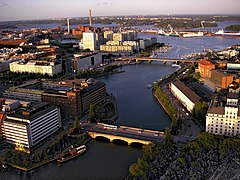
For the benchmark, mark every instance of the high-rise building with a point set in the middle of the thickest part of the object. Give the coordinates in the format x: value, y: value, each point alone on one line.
x: 90, y: 41
x: 26, y: 127
x: 224, y: 120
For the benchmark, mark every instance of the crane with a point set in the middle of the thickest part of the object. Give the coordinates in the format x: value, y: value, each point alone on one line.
x: 169, y: 26
x: 202, y: 25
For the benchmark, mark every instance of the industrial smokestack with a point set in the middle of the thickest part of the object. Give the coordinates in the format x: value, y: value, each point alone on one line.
x: 68, y: 25
x: 90, y: 17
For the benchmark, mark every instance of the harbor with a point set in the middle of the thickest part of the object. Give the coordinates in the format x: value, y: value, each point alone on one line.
x: 132, y: 83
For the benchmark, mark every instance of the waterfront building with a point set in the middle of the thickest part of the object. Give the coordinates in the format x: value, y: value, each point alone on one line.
x: 86, y: 60
x: 26, y: 127
x: 135, y: 44
x: 73, y: 97
x: 117, y: 48
x: 184, y: 94
x: 221, y: 79
x: 224, y: 120
x: 125, y: 36
x: 113, y: 43
x: 205, y: 67
x: 90, y: 41
x: 144, y: 43
x: 37, y: 67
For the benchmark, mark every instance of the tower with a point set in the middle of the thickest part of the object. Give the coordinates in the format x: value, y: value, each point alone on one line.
x: 90, y: 17
x: 68, y: 25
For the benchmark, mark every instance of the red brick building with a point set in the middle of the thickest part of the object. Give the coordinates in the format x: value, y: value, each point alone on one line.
x: 82, y: 29
x: 221, y: 79
x: 205, y: 67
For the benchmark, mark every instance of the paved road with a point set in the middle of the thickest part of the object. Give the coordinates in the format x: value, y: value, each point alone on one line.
x: 142, y: 134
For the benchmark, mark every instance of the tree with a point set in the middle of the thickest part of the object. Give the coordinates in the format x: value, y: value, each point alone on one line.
x: 168, y: 137
x: 200, y: 110
x: 76, y: 125
x: 197, y: 75
x: 91, y: 114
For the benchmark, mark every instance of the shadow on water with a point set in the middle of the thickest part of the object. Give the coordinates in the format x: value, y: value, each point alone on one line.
x: 102, y: 139
x: 137, y: 145
x: 120, y: 142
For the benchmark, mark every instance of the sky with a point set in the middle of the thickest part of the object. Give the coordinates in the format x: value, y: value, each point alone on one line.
x: 42, y: 9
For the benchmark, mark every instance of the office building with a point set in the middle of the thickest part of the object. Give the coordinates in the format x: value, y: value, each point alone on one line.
x: 90, y: 41
x: 26, y: 127
x: 73, y: 97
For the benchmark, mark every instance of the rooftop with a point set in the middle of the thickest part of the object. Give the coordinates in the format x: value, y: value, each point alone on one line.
x: 187, y: 91
x: 217, y: 110
x: 32, y: 112
x: 205, y: 62
x: 232, y: 95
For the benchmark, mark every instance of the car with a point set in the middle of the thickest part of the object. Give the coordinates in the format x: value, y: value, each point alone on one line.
x: 187, y: 114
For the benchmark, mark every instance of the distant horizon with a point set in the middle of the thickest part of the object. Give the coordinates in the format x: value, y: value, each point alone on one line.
x: 15, y: 10
x: 76, y: 17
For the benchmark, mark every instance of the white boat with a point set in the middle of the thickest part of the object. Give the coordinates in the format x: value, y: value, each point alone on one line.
x: 222, y: 33
x: 175, y: 65
x: 150, y: 86
x: 193, y: 34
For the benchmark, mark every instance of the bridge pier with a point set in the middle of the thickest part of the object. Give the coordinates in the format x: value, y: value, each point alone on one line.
x: 164, y: 62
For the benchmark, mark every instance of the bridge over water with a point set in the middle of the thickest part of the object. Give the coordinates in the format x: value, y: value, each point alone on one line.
x: 161, y: 59
x: 130, y: 134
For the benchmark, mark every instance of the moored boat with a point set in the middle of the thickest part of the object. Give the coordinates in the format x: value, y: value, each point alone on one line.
x: 71, y: 154
x: 222, y: 33
x: 193, y: 34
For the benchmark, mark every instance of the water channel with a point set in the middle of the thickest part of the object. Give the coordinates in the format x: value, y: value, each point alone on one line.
x: 137, y: 107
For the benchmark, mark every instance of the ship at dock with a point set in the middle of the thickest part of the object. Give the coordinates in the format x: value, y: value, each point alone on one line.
x: 222, y: 33
x: 71, y: 154
x: 193, y: 34
x: 172, y: 33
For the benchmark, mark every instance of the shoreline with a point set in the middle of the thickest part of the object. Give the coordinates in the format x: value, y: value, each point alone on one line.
x: 40, y: 164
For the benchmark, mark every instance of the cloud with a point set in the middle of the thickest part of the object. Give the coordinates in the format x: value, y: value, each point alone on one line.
x: 3, y: 4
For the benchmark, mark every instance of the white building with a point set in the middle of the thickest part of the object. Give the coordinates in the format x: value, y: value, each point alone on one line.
x: 224, y: 120
x: 135, y: 44
x: 90, y: 41
x: 36, y: 67
x: 108, y: 35
x: 27, y: 127
x: 184, y: 94
x: 86, y: 60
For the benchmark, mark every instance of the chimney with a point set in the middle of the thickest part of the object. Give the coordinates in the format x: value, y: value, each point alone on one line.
x: 90, y: 17
x: 68, y: 25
